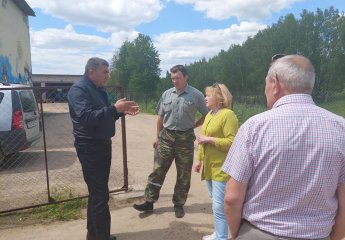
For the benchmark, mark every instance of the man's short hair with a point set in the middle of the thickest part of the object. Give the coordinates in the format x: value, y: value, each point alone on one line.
x: 180, y: 68
x: 94, y: 63
x: 295, y: 71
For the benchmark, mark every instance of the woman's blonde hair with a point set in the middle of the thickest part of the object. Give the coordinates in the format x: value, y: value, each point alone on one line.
x: 221, y: 93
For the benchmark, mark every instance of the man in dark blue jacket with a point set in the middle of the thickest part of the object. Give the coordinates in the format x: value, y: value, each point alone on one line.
x: 93, y: 119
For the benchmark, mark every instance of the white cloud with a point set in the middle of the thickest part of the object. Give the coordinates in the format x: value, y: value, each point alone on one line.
x: 104, y: 15
x: 187, y: 47
x: 61, y: 61
x: 66, y: 38
x: 64, y: 51
x: 118, y: 38
x: 241, y: 9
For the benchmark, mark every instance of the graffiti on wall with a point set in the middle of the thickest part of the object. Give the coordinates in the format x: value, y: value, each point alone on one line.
x: 22, y: 76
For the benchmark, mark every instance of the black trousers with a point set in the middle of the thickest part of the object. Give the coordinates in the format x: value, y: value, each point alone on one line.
x: 95, y: 159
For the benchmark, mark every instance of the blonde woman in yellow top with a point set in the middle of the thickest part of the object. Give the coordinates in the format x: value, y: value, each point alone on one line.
x: 217, y: 134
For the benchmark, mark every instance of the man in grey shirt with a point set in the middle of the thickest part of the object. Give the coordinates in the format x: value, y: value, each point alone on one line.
x: 175, y: 140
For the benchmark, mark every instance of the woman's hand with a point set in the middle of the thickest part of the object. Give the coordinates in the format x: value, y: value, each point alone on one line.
x: 205, y: 139
x: 197, y: 166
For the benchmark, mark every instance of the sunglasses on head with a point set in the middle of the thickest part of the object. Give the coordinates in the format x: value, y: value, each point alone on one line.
x: 277, y: 56
x: 216, y: 85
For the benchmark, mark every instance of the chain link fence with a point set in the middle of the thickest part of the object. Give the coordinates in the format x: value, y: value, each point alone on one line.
x: 38, y: 162
x: 246, y: 106
x: 38, y: 159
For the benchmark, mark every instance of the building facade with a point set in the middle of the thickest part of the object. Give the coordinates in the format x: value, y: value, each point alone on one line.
x: 15, y: 52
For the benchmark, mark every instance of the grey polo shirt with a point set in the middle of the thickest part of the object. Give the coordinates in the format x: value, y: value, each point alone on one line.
x: 178, y: 110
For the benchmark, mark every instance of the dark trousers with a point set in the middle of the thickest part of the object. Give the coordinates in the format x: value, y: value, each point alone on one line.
x: 95, y: 159
x: 250, y: 232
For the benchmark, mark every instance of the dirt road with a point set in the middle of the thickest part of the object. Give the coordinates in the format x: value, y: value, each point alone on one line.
x: 126, y: 222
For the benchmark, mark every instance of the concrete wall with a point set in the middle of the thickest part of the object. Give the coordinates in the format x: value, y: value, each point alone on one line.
x: 61, y: 84
x: 54, y: 79
x: 15, y: 55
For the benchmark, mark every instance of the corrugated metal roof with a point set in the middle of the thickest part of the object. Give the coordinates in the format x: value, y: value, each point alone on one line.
x: 22, y: 5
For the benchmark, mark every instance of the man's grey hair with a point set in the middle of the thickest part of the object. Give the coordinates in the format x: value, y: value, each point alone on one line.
x: 295, y: 72
x: 94, y: 63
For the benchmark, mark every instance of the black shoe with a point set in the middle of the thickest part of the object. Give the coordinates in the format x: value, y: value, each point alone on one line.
x: 90, y: 236
x: 179, y: 212
x: 144, y: 207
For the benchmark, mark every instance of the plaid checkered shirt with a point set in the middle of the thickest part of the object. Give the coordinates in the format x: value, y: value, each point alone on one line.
x: 293, y: 159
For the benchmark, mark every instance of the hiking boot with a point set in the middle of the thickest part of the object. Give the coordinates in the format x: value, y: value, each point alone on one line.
x: 179, y: 212
x: 144, y: 207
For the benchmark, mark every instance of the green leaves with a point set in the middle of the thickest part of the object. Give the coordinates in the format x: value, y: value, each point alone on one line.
x: 136, y: 66
x: 319, y: 35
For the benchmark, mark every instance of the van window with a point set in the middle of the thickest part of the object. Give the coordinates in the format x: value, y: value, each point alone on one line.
x: 1, y: 96
x: 28, y: 101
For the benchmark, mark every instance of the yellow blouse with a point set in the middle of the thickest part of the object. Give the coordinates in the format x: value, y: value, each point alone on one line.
x: 223, y: 126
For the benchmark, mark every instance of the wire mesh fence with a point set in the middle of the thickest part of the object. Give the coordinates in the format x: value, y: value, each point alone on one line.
x: 38, y: 162
x: 38, y: 158
x: 249, y: 104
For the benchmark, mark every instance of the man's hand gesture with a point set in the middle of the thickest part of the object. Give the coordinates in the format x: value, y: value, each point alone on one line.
x: 128, y: 107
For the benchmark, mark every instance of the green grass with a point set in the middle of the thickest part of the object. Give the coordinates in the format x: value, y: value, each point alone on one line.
x: 337, y: 106
x: 65, y: 211
x: 149, y: 107
x: 244, y: 111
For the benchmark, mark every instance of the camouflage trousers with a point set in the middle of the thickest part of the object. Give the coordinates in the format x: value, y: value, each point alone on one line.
x: 178, y: 145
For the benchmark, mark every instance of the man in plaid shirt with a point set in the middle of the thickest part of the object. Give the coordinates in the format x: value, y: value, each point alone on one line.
x: 287, y: 165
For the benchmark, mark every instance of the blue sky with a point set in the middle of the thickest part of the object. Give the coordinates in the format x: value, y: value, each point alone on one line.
x: 64, y: 34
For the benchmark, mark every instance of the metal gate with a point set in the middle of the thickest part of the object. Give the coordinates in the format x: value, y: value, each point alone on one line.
x: 49, y: 168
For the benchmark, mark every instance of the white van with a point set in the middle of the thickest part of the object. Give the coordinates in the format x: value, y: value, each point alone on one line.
x: 19, y: 119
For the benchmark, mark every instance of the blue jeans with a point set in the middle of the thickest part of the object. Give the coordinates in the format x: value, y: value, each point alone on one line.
x: 216, y: 192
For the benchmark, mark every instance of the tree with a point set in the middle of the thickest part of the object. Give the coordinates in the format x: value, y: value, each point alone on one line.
x: 119, y: 69
x: 136, y: 66
x: 319, y: 36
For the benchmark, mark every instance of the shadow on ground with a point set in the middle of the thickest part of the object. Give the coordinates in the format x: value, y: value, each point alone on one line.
x: 35, y: 161
x: 176, y: 230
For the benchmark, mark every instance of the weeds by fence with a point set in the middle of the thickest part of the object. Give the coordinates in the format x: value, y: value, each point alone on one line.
x: 37, y: 175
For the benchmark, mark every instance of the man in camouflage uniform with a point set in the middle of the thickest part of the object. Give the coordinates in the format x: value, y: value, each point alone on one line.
x: 175, y: 140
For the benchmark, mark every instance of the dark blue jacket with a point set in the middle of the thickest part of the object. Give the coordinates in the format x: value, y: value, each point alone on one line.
x: 92, y: 115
